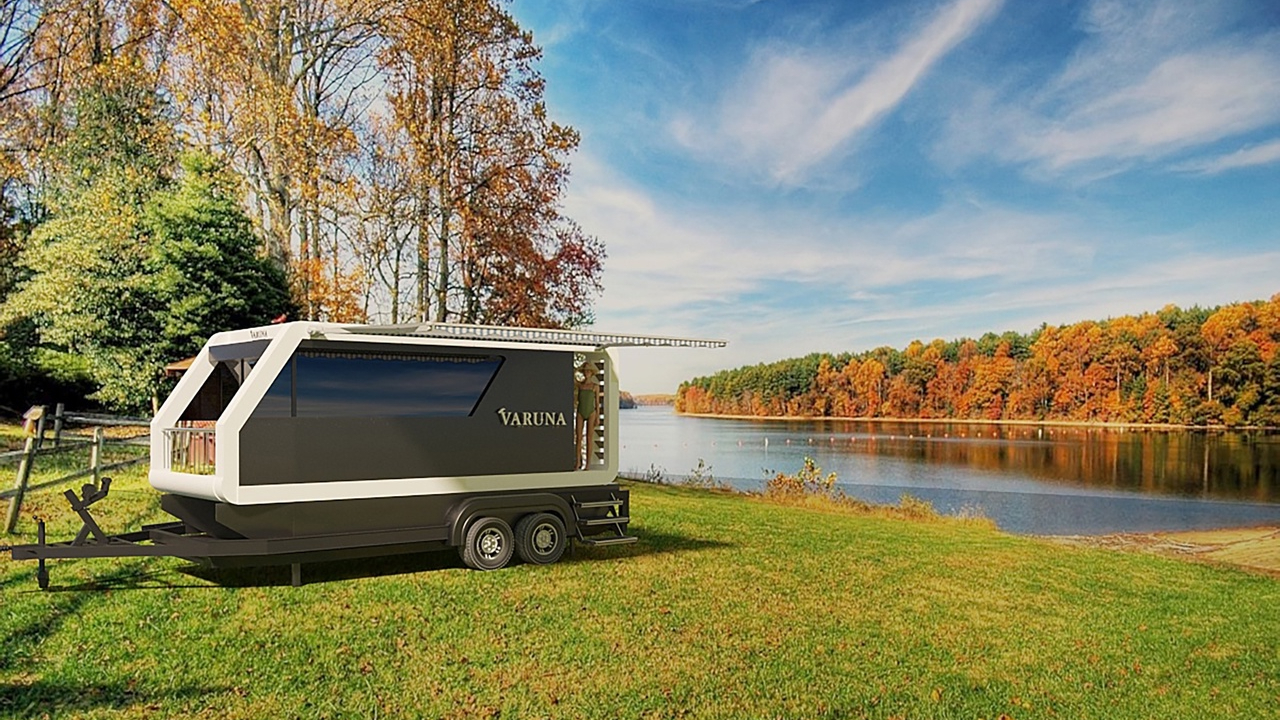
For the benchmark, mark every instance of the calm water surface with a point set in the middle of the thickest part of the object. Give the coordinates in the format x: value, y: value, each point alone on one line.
x: 1038, y: 480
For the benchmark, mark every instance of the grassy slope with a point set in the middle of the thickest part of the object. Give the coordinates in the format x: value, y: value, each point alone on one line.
x: 728, y: 607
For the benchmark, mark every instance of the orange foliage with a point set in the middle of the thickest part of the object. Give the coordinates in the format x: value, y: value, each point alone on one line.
x: 1195, y: 366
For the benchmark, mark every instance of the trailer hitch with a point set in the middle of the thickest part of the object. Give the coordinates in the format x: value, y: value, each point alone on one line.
x: 88, y: 496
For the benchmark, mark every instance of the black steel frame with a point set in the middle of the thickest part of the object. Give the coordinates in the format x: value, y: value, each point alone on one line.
x: 178, y: 539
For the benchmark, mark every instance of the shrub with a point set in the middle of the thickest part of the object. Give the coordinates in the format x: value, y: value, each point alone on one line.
x: 701, y: 477
x: 654, y: 474
x: 917, y: 509
x: 810, y: 488
x: 809, y: 481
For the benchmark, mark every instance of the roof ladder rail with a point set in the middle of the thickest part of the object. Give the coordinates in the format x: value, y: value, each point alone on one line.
x: 612, y: 517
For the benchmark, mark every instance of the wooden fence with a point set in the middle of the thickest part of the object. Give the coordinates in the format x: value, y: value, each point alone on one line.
x: 37, y: 445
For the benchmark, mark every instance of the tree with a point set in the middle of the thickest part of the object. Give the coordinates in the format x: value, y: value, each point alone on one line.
x: 207, y: 273
x: 131, y: 288
x: 1268, y: 413
x: 1151, y: 367
x: 129, y: 272
x: 386, y: 242
x: 88, y: 292
x: 489, y: 170
x: 277, y: 88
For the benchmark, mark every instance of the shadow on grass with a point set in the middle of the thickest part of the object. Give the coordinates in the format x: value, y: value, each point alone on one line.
x: 329, y: 570
x: 408, y: 564
x: 142, y: 578
x: 19, y: 645
x: 46, y: 698
x: 649, y: 543
x: 18, y: 578
x: 139, y: 577
x: 43, y: 697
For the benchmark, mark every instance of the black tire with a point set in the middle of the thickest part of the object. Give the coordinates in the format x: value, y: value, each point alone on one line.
x: 488, y: 544
x: 540, y: 538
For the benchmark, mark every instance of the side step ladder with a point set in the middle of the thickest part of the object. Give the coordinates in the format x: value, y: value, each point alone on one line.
x: 613, y: 516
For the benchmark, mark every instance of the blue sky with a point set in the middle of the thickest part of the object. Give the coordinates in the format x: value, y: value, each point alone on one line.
x: 834, y: 176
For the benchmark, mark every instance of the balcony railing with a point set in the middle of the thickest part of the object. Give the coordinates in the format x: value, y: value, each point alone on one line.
x: 191, y: 450
x: 598, y: 443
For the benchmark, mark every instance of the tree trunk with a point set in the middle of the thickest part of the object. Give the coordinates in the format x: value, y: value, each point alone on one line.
x: 424, y: 256
x: 442, y: 259
x: 395, y: 287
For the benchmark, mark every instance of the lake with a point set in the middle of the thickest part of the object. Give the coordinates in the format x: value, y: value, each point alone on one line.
x: 1043, y: 480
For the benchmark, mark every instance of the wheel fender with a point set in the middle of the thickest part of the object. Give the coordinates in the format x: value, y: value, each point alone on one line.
x: 507, y: 507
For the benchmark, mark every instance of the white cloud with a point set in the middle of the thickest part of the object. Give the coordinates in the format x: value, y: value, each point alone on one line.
x: 664, y: 257
x: 1153, y: 81
x: 784, y: 283
x: 780, y: 282
x: 794, y: 108
x: 1264, y: 154
x: 1188, y: 100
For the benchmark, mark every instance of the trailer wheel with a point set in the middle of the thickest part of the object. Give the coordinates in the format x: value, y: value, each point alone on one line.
x: 540, y: 538
x: 488, y: 544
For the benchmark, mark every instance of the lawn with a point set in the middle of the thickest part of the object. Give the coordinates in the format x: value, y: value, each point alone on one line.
x: 728, y: 607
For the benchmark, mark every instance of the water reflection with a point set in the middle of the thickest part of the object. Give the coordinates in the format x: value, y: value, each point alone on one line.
x: 1027, y: 478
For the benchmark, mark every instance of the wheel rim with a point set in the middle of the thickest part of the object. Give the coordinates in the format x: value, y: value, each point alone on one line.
x: 545, y: 538
x: 490, y: 544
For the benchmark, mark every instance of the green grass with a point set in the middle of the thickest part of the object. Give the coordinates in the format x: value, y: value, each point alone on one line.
x: 728, y: 607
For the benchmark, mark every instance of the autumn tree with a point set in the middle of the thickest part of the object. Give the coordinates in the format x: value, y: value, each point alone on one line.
x: 277, y: 87
x: 386, y: 246
x: 1203, y: 366
x: 489, y: 170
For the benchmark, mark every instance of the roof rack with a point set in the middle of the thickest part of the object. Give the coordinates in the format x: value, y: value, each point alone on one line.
x: 530, y: 335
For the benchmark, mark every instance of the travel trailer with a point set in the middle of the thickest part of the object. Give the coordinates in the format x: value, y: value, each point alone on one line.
x: 310, y: 441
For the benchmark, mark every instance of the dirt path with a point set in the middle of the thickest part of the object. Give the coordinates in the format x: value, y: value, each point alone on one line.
x: 1254, y: 548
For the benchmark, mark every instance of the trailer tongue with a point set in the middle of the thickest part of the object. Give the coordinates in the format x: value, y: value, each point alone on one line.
x: 307, y: 442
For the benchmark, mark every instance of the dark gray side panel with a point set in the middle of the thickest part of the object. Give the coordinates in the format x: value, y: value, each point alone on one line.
x: 335, y: 516
x: 322, y: 449
x: 282, y: 520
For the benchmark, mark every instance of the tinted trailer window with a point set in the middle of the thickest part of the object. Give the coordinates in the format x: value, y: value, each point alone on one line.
x: 327, y: 384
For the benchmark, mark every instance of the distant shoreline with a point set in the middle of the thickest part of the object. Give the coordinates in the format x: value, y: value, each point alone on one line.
x: 969, y: 421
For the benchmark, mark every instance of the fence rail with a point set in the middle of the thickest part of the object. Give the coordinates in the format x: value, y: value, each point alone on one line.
x: 107, y: 420
x: 35, y: 447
